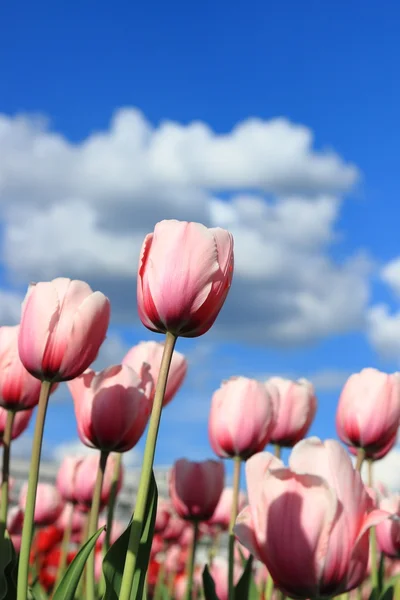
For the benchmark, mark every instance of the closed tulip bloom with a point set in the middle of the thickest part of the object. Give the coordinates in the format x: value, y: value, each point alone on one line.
x: 388, y: 532
x: 195, y: 488
x: 49, y: 504
x: 15, y: 521
x: 319, y: 508
x: 295, y: 406
x: 21, y: 422
x: 86, y: 480
x: 71, y: 515
x: 63, y: 325
x: 111, y: 408
x: 185, y: 272
x: 66, y: 477
x: 151, y: 353
x: 222, y: 513
x: 174, y: 529
x: 241, y: 418
x: 368, y: 413
x: 163, y: 515
x: 19, y: 390
x: 219, y: 572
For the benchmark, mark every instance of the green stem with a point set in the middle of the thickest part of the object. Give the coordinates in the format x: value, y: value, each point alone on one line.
x: 5, y: 473
x: 214, y: 548
x: 372, y: 539
x: 360, y: 459
x: 147, y: 467
x: 111, y: 503
x: 234, y: 511
x: 93, y: 520
x: 27, y: 530
x: 191, y: 561
x: 80, y: 592
x: 277, y: 450
x: 65, y: 544
x: 269, y: 587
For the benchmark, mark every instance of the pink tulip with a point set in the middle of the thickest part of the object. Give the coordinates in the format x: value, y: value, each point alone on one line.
x: 111, y: 408
x: 15, y: 521
x: 180, y: 587
x: 18, y: 389
x: 219, y: 572
x: 21, y: 422
x: 151, y: 353
x: 62, y: 327
x: 319, y: 509
x: 117, y: 529
x: 368, y: 414
x: 71, y: 514
x: 174, y: 529
x: 195, y: 488
x: 241, y: 418
x: 86, y: 478
x: 175, y: 558
x: 163, y: 515
x: 49, y: 504
x: 66, y: 477
x: 185, y: 272
x: 222, y: 513
x: 388, y: 532
x: 295, y: 406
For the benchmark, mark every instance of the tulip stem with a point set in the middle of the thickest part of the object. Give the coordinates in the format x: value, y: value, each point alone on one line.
x: 65, y: 544
x: 147, y: 467
x: 360, y: 459
x: 113, y: 497
x: 277, y: 450
x: 27, y: 530
x: 191, y: 561
x: 214, y: 548
x: 5, y: 481
x: 269, y: 587
x: 372, y: 539
x: 234, y: 510
x: 93, y: 520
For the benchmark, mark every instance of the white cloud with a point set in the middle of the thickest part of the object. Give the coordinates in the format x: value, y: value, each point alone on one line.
x: 386, y: 470
x: 82, y: 210
x: 329, y: 380
x: 10, y: 307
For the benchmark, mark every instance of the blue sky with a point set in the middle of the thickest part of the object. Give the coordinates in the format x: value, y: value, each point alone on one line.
x: 67, y: 207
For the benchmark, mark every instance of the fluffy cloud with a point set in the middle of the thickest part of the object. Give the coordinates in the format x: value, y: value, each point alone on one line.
x: 83, y: 209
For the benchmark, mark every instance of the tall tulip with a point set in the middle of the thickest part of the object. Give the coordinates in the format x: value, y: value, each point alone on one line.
x: 49, y: 504
x: 388, y: 532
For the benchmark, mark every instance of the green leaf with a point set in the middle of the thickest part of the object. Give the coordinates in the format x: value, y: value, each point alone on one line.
x: 209, y: 585
x: 36, y: 592
x: 243, y: 585
x: 114, y: 561
x: 8, y: 569
x: 67, y: 586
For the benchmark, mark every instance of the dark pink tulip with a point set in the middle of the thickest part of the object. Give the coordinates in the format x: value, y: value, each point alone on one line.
x: 388, y: 532
x: 368, y: 413
x: 319, y: 509
x: 185, y: 272
x: 49, y: 504
x: 21, y: 422
x: 222, y: 514
x: 241, y: 418
x: 111, y: 408
x: 295, y: 406
x: 86, y: 478
x: 195, y: 488
x: 151, y: 353
x: 66, y: 477
x: 62, y: 327
x: 19, y: 390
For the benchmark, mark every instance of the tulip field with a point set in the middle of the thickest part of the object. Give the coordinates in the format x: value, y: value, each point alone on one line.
x: 307, y: 528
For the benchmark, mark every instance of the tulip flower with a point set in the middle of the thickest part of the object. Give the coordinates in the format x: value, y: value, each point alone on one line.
x: 163, y: 516
x: 185, y: 273
x: 151, y: 353
x: 20, y: 422
x: 85, y: 480
x: 15, y: 519
x: 49, y: 504
x: 111, y: 408
x: 66, y: 477
x: 368, y: 413
x: 294, y: 405
x: 388, y: 532
x: 222, y: 514
x: 319, y: 509
x: 219, y: 573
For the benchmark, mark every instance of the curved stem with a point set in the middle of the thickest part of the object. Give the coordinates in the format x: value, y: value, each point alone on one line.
x: 234, y: 511
x: 111, y: 503
x: 360, y: 459
x: 5, y: 473
x: 93, y: 520
x: 191, y: 561
x: 65, y: 544
x: 147, y: 467
x: 277, y: 450
x: 27, y: 530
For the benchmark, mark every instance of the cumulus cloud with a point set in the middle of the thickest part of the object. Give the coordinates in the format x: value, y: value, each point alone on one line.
x: 82, y: 210
x: 386, y: 470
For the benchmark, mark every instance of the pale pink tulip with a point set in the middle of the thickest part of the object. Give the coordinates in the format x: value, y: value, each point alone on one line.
x: 241, y: 418
x: 368, y: 413
x: 195, y: 488
x: 219, y: 572
x: 71, y: 515
x: 222, y: 513
x: 21, y: 422
x: 295, y: 405
x: 15, y: 521
x: 174, y: 529
x: 163, y: 515
x: 63, y: 325
x: 185, y: 272
x: 111, y: 408
x: 66, y: 477
x: 175, y: 558
x: 86, y: 478
x: 49, y: 504
x: 151, y: 353
x: 319, y: 509
x: 388, y: 532
x: 19, y: 390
